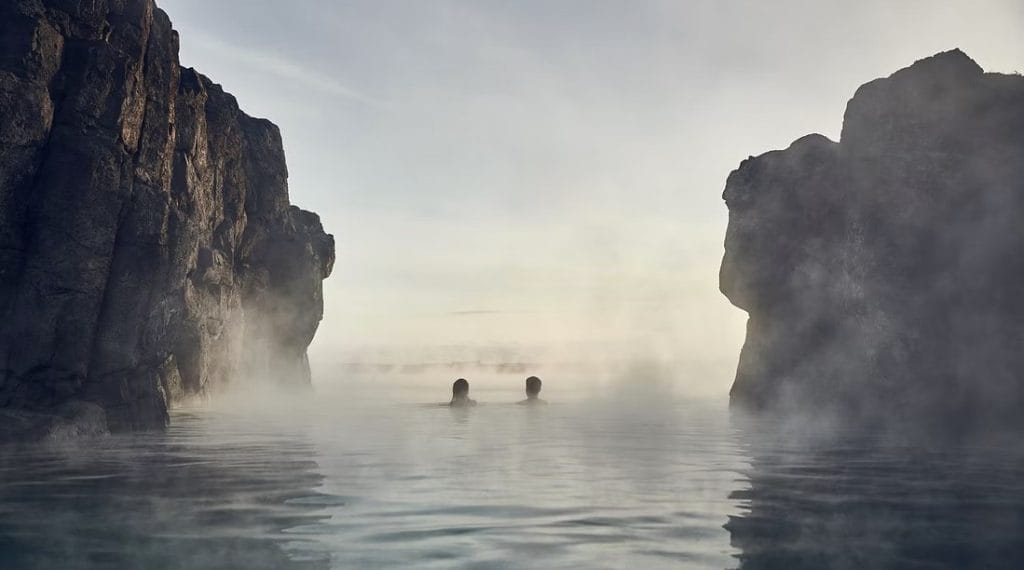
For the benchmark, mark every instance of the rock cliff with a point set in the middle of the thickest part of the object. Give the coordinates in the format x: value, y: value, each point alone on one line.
x: 883, y: 273
x: 148, y: 249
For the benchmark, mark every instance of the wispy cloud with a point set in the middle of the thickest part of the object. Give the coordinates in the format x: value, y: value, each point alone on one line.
x: 282, y: 68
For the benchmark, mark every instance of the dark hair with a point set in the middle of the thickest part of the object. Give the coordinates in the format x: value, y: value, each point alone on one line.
x: 533, y: 385
x: 460, y: 387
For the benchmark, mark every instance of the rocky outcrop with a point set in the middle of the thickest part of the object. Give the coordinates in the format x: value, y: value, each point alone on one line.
x: 148, y: 250
x: 882, y: 273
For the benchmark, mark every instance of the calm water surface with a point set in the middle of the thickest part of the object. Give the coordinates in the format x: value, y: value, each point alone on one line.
x: 573, y: 485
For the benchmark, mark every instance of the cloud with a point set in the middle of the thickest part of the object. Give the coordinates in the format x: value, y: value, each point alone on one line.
x: 486, y: 313
x: 283, y: 68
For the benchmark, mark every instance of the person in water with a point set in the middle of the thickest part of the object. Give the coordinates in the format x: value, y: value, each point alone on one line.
x: 460, y: 394
x: 532, y: 391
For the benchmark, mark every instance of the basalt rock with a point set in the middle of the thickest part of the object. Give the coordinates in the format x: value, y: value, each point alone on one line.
x: 148, y: 249
x: 883, y: 273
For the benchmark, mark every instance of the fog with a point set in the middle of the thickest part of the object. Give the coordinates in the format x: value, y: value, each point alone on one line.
x: 527, y: 188
x: 540, y: 183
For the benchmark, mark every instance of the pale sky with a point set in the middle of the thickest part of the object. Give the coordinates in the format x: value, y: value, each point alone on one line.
x: 547, y: 174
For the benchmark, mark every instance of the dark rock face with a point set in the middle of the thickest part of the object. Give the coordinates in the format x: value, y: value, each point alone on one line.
x: 148, y: 250
x: 882, y: 273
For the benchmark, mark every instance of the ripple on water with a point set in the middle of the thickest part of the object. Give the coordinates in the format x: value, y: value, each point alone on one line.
x: 569, y: 486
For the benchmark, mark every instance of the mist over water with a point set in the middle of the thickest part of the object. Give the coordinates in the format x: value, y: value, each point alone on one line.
x: 517, y: 188
x: 600, y: 479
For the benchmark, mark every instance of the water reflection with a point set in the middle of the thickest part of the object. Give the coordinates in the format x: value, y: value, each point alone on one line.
x: 864, y: 502
x: 186, y: 499
x: 587, y: 485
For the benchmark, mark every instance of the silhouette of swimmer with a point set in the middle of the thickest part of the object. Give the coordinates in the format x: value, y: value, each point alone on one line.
x: 460, y: 394
x: 532, y: 392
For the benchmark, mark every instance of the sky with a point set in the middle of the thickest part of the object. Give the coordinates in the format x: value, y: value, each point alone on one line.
x: 541, y: 180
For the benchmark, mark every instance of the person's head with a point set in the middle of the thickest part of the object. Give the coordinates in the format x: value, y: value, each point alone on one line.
x: 533, y: 386
x: 460, y: 389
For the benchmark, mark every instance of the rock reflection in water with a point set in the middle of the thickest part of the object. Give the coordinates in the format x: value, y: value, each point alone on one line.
x: 585, y: 485
x: 186, y: 499
x: 868, y: 504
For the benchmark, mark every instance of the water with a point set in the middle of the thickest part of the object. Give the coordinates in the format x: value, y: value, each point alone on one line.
x: 572, y: 485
